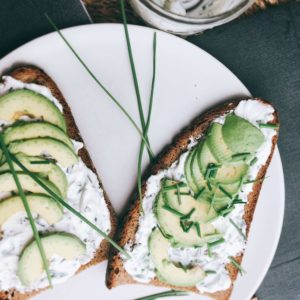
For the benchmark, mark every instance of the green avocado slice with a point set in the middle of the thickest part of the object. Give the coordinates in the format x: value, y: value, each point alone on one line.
x: 65, y: 245
x: 168, y: 271
x: 240, y: 135
x: 20, y: 103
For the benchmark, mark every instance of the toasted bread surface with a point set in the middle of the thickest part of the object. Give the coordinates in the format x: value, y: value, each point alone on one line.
x: 29, y: 74
x: 116, y: 273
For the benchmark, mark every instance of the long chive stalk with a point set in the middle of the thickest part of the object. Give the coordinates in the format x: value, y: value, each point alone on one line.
x: 236, y: 265
x: 237, y: 228
x: 27, y: 208
x: 163, y: 295
x: 67, y: 206
x: 134, y: 75
x: 142, y: 145
x: 108, y: 93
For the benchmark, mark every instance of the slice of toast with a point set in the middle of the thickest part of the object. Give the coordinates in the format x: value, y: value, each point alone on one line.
x: 116, y: 273
x: 29, y: 74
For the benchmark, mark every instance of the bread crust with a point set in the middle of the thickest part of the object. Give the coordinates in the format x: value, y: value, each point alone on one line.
x: 31, y: 74
x: 116, y: 273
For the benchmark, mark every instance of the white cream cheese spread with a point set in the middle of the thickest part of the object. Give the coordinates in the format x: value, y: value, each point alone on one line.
x: 84, y: 194
x: 140, y: 266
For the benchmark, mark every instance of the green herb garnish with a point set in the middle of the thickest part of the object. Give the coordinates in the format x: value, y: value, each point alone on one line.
x: 253, y: 161
x: 41, y: 162
x: 198, y: 230
x: 211, y: 171
x: 274, y: 126
x: 134, y: 75
x: 174, y: 186
x: 221, y: 188
x: 27, y: 208
x: 170, y: 293
x: 215, y: 243
x: 166, y: 235
x: 107, y: 92
x: 187, y: 216
x: 178, y: 195
x: 66, y: 205
x: 186, y: 225
x: 172, y: 210
x: 200, y: 193
x: 226, y: 211
x: 255, y: 180
x: 236, y: 265
x: 237, y: 228
x: 207, y: 272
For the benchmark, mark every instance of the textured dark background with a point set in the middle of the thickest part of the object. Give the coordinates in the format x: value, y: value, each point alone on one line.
x: 262, y: 49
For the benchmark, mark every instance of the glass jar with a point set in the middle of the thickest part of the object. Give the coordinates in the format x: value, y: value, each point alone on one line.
x: 186, y: 17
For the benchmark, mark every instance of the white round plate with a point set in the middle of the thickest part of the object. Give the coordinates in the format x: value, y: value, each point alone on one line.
x: 188, y: 82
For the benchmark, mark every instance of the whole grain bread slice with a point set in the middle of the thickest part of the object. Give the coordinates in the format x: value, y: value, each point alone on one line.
x: 30, y: 74
x: 116, y: 273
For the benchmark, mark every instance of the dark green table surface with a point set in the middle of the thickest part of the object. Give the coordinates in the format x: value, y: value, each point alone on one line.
x: 263, y: 50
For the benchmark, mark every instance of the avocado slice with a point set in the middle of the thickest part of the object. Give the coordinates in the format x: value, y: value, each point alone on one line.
x: 30, y: 266
x: 49, y: 170
x: 216, y: 143
x: 168, y: 271
x: 19, y: 103
x: 205, y: 157
x: 63, y: 154
x: 43, y: 205
x: 29, y: 130
x: 240, y: 135
x: 7, y: 184
x: 170, y: 224
x: 188, y: 171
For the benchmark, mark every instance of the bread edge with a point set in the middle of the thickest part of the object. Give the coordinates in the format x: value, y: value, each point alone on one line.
x: 32, y: 74
x: 116, y: 273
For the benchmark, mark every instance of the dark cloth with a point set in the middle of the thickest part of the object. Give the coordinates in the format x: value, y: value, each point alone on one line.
x: 23, y: 20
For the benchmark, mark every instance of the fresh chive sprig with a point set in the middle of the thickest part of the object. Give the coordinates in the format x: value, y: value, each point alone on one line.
x: 237, y: 265
x: 107, y: 92
x: 66, y: 205
x: 134, y: 75
x: 272, y: 126
x: 237, y: 228
x: 27, y: 209
x: 170, y: 293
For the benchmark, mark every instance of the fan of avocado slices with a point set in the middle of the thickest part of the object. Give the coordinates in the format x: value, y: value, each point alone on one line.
x: 35, y: 132
x: 214, y: 172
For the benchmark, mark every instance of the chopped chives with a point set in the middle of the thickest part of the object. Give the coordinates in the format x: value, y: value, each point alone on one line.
x: 172, y: 210
x: 166, y: 235
x: 209, y: 185
x: 200, y: 193
x: 255, y: 180
x: 215, y: 243
x: 226, y: 211
x: 183, y: 193
x: 178, y: 195
x: 274, y: 126
x: 187, y: 216
x: 41, y: 162
x: 241, y: 154
x: 198, y: 230
x: 174, y: 186
x: 207, y: 272
x: 224, y: 192
x: 237, y: 228
x: 236, y: 265
x: 253, y: 161
x: 186, y: 226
